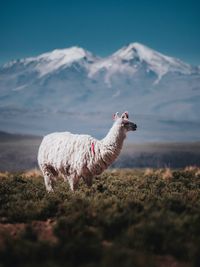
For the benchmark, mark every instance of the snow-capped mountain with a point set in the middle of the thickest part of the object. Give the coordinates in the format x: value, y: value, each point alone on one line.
x: 72, y: 89
x: 52, y: 61
x: 133, y: 56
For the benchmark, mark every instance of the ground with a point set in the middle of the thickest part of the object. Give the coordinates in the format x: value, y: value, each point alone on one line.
x: 127, y: 218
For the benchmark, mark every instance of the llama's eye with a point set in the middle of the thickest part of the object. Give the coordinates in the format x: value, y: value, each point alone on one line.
x: 125, y: 124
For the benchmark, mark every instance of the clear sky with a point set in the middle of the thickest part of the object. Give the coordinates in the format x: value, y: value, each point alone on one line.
x: 31, y: 27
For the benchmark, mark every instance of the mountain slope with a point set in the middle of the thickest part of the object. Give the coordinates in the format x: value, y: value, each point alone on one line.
x: 72, y: 89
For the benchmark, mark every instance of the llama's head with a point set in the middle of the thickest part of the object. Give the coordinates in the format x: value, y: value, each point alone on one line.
x: 124, y: 122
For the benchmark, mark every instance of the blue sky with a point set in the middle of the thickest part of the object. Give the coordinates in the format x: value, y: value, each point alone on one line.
x: 31, y: 27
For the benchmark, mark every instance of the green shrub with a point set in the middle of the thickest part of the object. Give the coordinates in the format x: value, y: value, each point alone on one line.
x: 127, y: 218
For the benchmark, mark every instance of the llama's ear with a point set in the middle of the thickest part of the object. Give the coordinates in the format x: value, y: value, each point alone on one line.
x: 115, y: 116
x: 125, y: 115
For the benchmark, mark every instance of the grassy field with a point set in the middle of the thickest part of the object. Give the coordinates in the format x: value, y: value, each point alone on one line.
x: 136, y: 218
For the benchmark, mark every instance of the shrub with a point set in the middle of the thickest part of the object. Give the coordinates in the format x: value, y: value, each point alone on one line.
x: 127, y: 218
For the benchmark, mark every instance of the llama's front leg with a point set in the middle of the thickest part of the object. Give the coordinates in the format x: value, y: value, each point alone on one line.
x: 73, y: 182
x: 48, y: 183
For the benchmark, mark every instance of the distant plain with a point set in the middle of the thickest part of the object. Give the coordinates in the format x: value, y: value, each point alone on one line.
x: 19, y: 152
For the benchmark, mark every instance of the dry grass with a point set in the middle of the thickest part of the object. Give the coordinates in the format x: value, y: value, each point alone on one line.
x: 167, y: 174
x: 191, y: 168
x: 148, y: 172
x: 197, y: 173
x: 33, y: 173
x: 4, y: 174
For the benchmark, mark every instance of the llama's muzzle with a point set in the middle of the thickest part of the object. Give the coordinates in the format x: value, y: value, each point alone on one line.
x: 133, y: 126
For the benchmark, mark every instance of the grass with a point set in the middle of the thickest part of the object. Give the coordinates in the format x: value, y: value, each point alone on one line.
x: 127, y: 218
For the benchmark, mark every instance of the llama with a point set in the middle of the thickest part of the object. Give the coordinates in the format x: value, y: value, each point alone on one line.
x: 76, y: 156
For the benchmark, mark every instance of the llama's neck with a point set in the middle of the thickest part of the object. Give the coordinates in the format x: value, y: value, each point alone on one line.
x: 113, y: 141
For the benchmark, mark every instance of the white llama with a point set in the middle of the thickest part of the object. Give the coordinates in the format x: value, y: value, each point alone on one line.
x: 77, y: 156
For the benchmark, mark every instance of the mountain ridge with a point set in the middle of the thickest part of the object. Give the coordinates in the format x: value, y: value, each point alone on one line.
x: 132, y: 50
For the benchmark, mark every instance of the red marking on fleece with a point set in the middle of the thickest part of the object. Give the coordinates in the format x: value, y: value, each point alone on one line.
x: 92, y: 148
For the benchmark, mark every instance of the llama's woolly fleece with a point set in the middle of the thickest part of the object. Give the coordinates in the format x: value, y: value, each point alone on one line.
x: 78, y: 156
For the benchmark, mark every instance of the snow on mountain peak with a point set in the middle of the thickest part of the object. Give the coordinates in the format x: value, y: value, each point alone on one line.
x: 68, y: 54
x: 157, y: 62
x: 51, y: 61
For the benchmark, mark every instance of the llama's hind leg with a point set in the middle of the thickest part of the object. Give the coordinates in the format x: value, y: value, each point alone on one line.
x: 49, y: 176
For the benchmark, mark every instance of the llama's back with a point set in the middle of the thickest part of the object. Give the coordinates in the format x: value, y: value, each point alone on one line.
x: 61, y: 148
